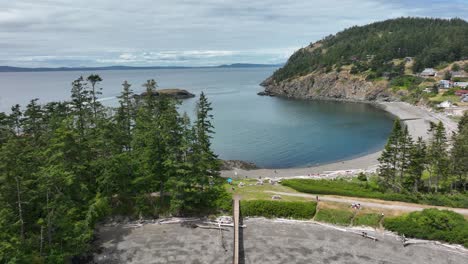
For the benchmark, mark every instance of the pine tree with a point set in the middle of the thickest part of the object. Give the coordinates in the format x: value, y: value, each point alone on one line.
x: 95, y: 79
x: 404, y: 153
x: 205, y: 163
x: 459, y: 153
x: 389, y: 158
x: 438, y: 155
x: 81, y: 102
x: 417, y: 165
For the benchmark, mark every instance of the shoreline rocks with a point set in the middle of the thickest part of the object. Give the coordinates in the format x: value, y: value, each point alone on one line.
x: 334, y: 86
x: 238, y: 164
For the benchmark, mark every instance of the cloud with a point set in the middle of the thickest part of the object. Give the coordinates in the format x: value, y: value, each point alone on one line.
x: 143, y: 32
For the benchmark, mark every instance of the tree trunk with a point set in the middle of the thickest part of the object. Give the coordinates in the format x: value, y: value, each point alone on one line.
x: 20, y: 209
x: 42, y: 240
x: 49, y: 224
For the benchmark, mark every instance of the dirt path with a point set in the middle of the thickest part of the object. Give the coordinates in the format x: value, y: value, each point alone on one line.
x: 373, y: 203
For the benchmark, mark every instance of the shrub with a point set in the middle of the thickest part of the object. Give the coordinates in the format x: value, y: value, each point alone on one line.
x: 270, y: 209
x: 334, y: 216
x: 367, y: 220
x: 433, y: 224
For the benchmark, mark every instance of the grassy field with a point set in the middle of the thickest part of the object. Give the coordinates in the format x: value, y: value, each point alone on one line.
x: 251, y: 191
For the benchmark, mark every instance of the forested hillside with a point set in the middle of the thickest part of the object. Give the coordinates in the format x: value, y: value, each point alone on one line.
x: 66, y: 165
x: 373, y: 48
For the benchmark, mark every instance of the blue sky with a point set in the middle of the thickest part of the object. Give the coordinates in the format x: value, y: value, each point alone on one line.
x: 51, y: 33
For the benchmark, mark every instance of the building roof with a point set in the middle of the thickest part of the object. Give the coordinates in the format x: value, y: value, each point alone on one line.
x: 460, y: 92
x: 428, y: 71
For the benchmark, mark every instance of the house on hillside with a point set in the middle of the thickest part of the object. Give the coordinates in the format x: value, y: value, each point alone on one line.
x: 460, y: 84
x: 445, y: 104
x: 408, y: 59
x: 445, y: 84
x: 465, y: 98
x: 428, y: 72
x: 459, y: 74
x: 461, y: 92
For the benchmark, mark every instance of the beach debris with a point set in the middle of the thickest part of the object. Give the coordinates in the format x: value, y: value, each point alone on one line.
x: 276, y: 197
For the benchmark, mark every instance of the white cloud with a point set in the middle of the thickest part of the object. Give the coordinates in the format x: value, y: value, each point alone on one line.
x: 189, y: 31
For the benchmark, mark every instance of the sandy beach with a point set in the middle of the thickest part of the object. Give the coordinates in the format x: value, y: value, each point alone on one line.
x: 417, y: 119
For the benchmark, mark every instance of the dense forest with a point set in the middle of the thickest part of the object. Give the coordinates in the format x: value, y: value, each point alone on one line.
x: 414, y: 166
x: 374, y: 47
x: 66, y: 165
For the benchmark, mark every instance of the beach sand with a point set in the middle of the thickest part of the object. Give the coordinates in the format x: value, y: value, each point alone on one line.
x: 417, y: 119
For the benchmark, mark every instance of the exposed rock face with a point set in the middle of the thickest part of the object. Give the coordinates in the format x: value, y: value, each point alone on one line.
x: 338, y: 86
x: 176, y: 93
x: 238, y: 164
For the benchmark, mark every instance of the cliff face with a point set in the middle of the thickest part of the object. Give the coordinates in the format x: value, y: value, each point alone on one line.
x: 338, y: 86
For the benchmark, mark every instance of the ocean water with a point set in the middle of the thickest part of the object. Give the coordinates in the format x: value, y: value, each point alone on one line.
x: 269, y: 131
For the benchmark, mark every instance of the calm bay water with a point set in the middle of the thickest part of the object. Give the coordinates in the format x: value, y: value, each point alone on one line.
x: 272, y: 132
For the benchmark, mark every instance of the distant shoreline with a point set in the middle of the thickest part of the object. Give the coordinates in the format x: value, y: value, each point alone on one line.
x: 417, y: 119
x: 129, y: 68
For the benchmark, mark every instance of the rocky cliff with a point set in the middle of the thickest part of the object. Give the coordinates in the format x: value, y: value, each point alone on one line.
x: 333, y: 85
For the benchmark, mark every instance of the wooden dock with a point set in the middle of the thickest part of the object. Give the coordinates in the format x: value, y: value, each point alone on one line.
x: 236, y: 212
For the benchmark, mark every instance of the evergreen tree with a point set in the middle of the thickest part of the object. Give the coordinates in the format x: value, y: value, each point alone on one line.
x: 404, y: 153
x: 416, y: 166
x: 438, y: 155
x: 389, y: 158
x: 81, y: 101
x: 95, y: 79
x: 459, y: 153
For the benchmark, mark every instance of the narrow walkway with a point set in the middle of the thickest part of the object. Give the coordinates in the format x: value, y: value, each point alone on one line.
x: 236, y: 230
x: 374, y: 203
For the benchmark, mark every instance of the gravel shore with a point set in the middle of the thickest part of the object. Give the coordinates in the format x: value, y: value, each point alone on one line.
x: 417, y: 119
x: 265, y: 241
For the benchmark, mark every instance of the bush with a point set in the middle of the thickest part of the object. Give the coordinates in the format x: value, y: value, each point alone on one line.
x: 433, y: 224
x: 270, y: 209
x: 334, y: 216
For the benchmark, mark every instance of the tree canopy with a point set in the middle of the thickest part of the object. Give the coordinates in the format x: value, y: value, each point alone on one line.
x: 372, y: 47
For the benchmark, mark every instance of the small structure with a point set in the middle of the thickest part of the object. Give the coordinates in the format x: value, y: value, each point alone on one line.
x: 428, y: 72
x: 427, y: 90
x: 408, y: 59
x: 465, y: 98
x: 461, y: 92
x: 445, y: 104
x: 445, y: 84
x: 460, y: 84
x: 459, y: 74
x: 276, y: 197
x: 229, y: 180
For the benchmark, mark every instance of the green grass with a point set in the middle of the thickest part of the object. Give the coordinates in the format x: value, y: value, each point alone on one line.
x: 251, y: 191
x: 365, y: 190
x: 367, y: 220
x: 334, y: 216
x: 271, y: 209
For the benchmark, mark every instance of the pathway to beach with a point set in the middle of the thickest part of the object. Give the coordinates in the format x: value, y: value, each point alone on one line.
x: 416, y: 118
x: 372, y: 203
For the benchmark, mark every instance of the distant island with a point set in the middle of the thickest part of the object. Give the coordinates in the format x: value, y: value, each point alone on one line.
x: 402, y: 59
x: 172, y: 92
x: 124, y: 68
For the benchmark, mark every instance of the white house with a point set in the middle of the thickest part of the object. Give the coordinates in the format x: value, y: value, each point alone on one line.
x: 460, y: 84
x: 445, y: 104
x: 429, y: 72
x: 445, y: 84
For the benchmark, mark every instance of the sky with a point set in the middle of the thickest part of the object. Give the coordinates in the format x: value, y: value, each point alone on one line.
x: 73, y: 33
